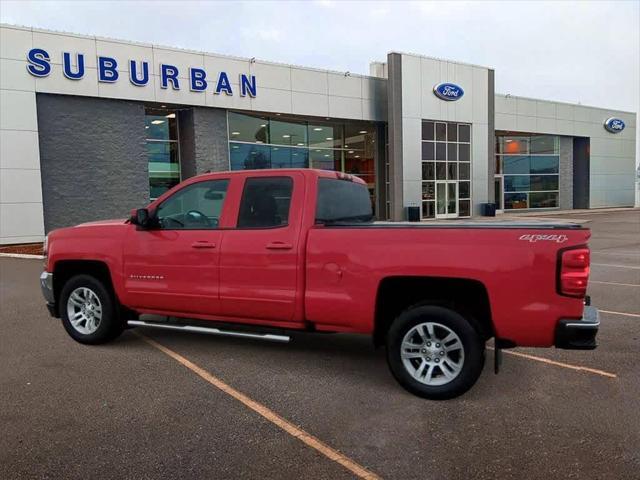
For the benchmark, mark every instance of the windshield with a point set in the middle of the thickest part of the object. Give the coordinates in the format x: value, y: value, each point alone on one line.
x: 342, y: 200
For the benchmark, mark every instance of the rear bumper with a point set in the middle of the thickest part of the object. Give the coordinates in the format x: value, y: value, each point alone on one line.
x: 579, y: 334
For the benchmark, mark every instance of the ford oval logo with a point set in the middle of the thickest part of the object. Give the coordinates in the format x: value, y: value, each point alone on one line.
x: 614, y: 125
x: 448, y: 91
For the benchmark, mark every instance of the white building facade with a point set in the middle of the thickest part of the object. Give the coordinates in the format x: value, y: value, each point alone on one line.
x: 92, y: 127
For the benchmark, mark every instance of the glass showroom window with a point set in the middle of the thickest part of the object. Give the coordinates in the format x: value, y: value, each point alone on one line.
x: 260, y: 141
x: 446, y: 169
x: 529, y: 166
x: 163, y: 153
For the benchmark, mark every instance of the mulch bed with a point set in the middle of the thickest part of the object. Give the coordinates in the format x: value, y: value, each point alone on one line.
x: 26, y: 248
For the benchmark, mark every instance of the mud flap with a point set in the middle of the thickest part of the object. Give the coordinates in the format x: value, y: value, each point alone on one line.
x: 497, y: 358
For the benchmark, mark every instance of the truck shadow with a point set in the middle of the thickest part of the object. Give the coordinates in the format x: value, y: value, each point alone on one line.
x: 348, y: 362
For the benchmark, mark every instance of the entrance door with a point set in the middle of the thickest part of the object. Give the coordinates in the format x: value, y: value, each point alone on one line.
x: 499, y: 192
x: 447, y: 199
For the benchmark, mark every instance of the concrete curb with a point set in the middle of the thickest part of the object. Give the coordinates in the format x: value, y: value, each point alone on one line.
x: 589, y: 211
x: 21, y: 255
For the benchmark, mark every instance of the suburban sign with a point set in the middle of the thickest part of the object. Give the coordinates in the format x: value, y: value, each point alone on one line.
x: 448, y: 91
x: 73, y: 68
x: 614, y: 125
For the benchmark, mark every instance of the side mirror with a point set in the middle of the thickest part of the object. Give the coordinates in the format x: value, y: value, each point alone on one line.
x: 141, y: 217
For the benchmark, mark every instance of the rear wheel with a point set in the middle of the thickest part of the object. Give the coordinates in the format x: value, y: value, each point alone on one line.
x: 434, y: 352
x: 88, y: 310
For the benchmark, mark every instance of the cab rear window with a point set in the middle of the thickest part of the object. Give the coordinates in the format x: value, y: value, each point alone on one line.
x: 342, y: 201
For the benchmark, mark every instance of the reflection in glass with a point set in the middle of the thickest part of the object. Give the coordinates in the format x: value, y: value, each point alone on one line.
x: 464, y: 208
x: 250, y: 156
x: 543, y: 200
x: 464, y: 152
x: 452, y: 171
x: 465, y: 189
x: 441, y: 170
x: 428, y: 151
x: 288, y: 133
x: 247, y: 128
x: 163, y: 156
x: 441, y: 132
x: 441, y: 198
x: 441, y: 151
x: 428, y: 210
x: 516, y: 183
x: 428, y: 191
x: 545, y: 164
x: 464, y: 171
x: 514, y: 164
x: 515, y: 200
x: 325, y: 159
x: 427, y: 130
x: 452, y: 198
x: 452, y: 152
x: 428, y: 170
x: 452, y: 132
x: 546, y: 144
x: 543, y: 182
x: 327, y: 135
x: 284, y: 157
x: 464, y: 133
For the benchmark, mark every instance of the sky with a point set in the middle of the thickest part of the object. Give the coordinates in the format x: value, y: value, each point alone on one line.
x: 582, y: 52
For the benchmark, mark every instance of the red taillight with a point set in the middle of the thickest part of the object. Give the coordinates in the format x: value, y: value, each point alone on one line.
x: 574, y: 272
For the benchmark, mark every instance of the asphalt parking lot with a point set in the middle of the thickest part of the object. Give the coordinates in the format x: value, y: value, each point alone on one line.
x: 130, y: 410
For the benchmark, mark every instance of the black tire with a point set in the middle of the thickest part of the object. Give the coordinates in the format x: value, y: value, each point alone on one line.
x: 110, y: 325
x: 472, y: 360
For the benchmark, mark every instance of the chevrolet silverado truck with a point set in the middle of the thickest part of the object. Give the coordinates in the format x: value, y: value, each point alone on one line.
x: 264, y: 253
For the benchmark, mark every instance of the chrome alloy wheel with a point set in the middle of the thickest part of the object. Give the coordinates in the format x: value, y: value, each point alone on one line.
x: 432, y: 353
x: 84, y: 310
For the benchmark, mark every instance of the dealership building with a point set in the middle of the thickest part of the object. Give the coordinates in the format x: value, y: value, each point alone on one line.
x: 93, y: 127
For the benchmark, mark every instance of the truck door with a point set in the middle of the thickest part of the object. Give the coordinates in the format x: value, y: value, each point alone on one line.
x: 174, y: 266
x: 259, y: 268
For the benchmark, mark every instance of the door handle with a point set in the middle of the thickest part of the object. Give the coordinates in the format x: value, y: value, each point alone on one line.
x: 203, y: 244
x: 279, y: 246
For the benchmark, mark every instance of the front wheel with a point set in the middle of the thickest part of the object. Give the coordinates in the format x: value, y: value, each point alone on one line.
x: 88, y: 311
x: 434, y: 352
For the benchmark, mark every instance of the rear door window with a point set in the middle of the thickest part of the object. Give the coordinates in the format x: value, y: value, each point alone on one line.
x: 265, y: 202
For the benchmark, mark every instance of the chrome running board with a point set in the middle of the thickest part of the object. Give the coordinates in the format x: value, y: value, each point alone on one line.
x: 211, y: 331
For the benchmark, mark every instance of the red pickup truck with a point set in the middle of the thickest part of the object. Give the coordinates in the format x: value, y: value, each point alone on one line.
x: 266, y: 252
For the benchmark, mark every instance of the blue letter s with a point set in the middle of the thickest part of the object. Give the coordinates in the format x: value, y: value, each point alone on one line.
x: 39, y: 65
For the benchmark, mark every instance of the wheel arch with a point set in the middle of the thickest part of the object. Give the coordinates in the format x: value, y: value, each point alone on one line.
x: 66, y: 269
x: 468, y: 297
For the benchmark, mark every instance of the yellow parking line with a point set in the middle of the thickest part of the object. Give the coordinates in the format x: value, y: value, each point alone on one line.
x: 619, y: 313
x: 559, y: 364
x: 270, y: 415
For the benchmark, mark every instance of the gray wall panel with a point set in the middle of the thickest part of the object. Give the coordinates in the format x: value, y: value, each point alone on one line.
x: 566, y: 173
x: 581, y: 174
x: 394, y: 108
x: 93, y: 157
x: 211, y: 139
